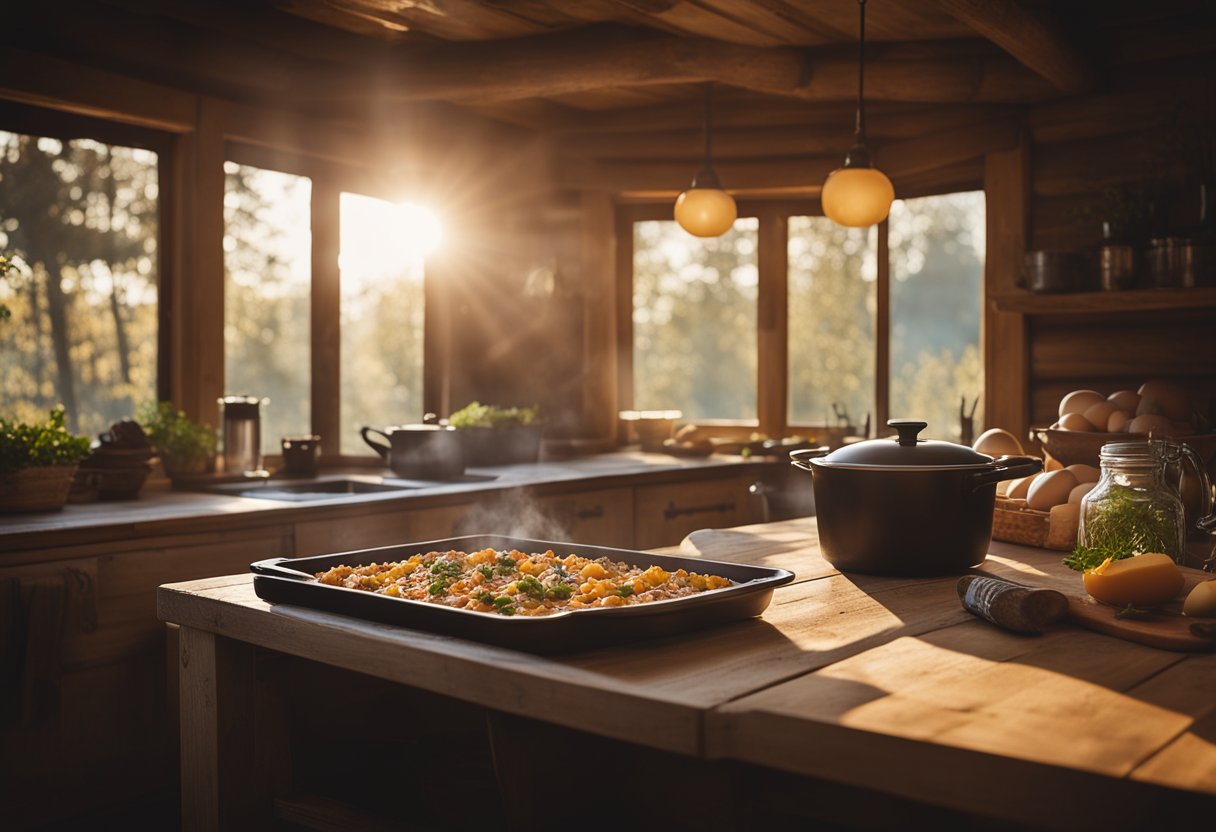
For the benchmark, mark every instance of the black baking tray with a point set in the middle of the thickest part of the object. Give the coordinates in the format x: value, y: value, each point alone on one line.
x: 292, y: 581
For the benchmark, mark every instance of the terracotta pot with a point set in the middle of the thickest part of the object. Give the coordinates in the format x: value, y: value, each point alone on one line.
x: 907, y: 506
x: 40, y: 488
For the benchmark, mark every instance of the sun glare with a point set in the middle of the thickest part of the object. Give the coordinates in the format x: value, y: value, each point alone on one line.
x: 382, y: 239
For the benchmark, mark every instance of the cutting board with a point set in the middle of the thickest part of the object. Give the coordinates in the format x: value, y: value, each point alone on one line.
x: 1165, y: 627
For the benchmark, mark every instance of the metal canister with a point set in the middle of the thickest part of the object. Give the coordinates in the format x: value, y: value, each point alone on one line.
x: 241, y: 417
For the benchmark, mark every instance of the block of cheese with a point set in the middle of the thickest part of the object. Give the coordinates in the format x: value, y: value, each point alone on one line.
x: 1143, y: 580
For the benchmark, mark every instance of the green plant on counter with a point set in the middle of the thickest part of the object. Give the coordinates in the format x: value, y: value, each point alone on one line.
x: 183, y: 444
x: 37, y: 445
x: 478, y: 415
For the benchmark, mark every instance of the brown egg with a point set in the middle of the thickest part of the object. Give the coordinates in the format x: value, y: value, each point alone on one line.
x: 1075, y: 421
x: 1080, y: 491
x: 997, y: 442
x: 1078, y: 400
x: 1050, y: 463
x: 1127, y: 400
x: 1152, y: 424
x: 1050, y: 489
x: 1018, y: 488
x: 1099, y: 414
x: 1164, y: 398
x: 1118, y: 421
x: 1085, y: 473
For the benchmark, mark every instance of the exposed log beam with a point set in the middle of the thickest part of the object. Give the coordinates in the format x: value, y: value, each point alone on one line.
x: 1027, y: 37
x: 913, y: 160
x: 757, y: 139
x: 596, y: 58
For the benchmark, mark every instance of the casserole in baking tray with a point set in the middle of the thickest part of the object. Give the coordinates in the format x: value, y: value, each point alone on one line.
x: 293, y: 581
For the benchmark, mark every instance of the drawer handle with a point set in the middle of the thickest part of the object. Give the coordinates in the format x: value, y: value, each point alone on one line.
x: 673, y: 511
x: 589, y: 513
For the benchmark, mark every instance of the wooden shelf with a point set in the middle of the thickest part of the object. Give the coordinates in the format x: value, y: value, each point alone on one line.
x: 1081, y: 303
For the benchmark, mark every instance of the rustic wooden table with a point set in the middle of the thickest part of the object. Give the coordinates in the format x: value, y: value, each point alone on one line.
x: 881, y: 683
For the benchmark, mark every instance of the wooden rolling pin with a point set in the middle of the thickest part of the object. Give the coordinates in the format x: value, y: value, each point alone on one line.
x: 1012, y: 606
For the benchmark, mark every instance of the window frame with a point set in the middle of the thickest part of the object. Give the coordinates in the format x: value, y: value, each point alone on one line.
x: 772, y: 333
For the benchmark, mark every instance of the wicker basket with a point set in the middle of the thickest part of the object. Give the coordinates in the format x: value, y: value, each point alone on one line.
x: 42, y: 488
x: 1013, y: 522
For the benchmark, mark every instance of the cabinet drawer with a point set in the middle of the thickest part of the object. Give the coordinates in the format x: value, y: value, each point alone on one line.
x: 597, y: 518
x: 665, y: 514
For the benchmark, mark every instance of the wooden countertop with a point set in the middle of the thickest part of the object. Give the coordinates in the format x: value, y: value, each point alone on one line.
x: 885, y: 683
x: 161, y: 509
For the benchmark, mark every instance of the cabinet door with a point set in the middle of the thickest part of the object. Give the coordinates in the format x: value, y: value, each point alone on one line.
x: 665, y: 514
x: 596, y: 518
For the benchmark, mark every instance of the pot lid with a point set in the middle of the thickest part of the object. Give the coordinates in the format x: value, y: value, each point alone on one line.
x: 416, y: 428
x: 905, y: 451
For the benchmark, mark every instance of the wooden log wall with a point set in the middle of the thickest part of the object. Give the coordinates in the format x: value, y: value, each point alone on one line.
x: 1135, y: 141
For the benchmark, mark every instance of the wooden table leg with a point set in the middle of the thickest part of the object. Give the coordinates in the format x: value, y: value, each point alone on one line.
x: 220, y: 786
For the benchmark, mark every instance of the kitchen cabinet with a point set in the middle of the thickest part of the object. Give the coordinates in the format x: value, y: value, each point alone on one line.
x: 347, y: 531
x: 665, y: 514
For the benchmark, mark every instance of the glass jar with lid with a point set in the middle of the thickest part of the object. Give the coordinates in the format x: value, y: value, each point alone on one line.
x: 1134, y: 508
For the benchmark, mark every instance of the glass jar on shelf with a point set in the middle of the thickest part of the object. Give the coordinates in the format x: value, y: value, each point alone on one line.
x: 1134, y: 508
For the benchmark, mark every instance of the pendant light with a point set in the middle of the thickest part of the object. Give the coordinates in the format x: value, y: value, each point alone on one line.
x: 705, y: 210
x: 858, y: 194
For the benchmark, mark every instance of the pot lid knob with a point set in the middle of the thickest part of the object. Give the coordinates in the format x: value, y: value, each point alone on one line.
x: 907, y: 429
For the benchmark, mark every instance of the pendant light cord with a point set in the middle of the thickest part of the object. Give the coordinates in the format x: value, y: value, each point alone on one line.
x: 861, y: 71
x: 709, y: 126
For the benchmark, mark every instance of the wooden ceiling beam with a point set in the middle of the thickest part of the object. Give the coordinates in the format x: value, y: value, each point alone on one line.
x: 1029, y: 38
x: 758, y: 140
x: 597, y: 58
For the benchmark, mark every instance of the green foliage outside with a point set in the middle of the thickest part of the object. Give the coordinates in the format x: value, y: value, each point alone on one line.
x: 694, y: 320
x: 477, y: 415
x: 267, y: 292
x: 176, y: 436
x: 82, y: 324
x: 30, y: 445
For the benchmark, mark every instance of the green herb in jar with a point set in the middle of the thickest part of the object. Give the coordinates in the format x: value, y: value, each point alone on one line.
x: 1122, y: 525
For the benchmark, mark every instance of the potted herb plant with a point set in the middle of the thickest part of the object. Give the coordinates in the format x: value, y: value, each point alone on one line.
x: 38, y: 463
x: 493, y: 435
x: 186, y: 448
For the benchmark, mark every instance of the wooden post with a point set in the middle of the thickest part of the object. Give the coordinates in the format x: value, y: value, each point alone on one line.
x: 600, y: 330
x: 326, y: 327
x: 220, y: 786
x: 1006, y: 359
x: 772, y: 347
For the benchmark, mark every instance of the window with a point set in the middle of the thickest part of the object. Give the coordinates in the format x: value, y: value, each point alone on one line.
x: 267, y: 286
x: 382, y: 257
x: 832, y: 302
x: 937, y: 279
x: 694, y: 321
x: 361, y: 303
x: 867, y: 338
x: 80, y: 218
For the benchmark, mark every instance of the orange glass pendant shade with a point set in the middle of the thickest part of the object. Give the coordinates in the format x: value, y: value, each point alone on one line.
x: 857, y: 197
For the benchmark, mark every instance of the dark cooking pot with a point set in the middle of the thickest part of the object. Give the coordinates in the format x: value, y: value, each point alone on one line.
x: 906, y: 506
x: 422, y: 452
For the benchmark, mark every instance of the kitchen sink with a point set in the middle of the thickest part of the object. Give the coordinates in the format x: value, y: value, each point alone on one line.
x: 305, y: 491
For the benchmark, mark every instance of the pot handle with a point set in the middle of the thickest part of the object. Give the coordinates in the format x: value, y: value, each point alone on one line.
x: 799, y: 459
x: 378, y: 447
x: 1008, y: 468
x: 274, y: 568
